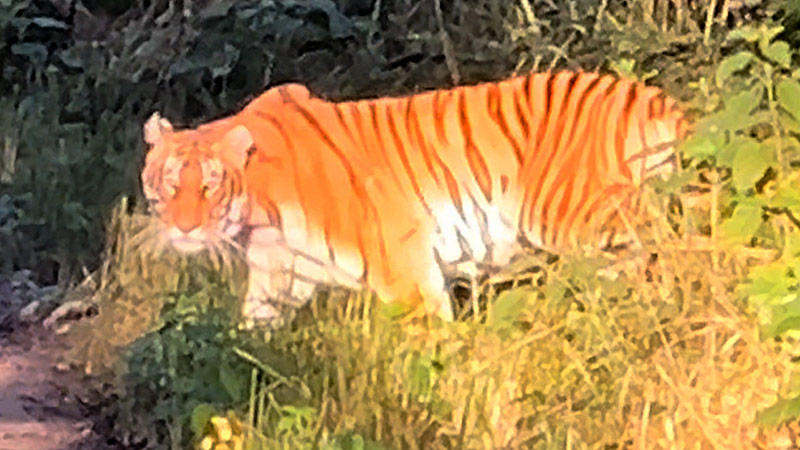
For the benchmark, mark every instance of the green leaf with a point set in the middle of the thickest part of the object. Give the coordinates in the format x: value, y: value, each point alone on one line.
x: 393, y: 310
x: 780, y: 52
x: 791, y: 249
x: 47, y: 22
x: 624, y: 67
x: 699, y: 146
x: 789, y: 123
x: 728, y: 152
x: 231, y: 382
x: 420, y: 374
x: 748, y: 33
x: 780, y: 412
x: 784, y: 325
x: 201, y: 414
x: 788, y: 95
x: 767, y: 281
x: 743, y: 223
x: 767, y: 35
x: 787, y: 196
x: 508, y: 307
x: 37, y: 53
x: 741, y: 104
x: 731, y: 65
x: 750, y: 162
x: 674, y: 182
x: 215, y: 9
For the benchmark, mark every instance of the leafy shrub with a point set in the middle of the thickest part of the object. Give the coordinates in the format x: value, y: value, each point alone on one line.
x: 581, y: 361
x: 184, y: 364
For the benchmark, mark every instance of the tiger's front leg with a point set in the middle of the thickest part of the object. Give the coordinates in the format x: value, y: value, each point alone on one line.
x: 270, y: 276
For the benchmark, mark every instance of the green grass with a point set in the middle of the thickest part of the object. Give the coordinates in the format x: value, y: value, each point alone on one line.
x: 692, y: 350
x: 652, y: 354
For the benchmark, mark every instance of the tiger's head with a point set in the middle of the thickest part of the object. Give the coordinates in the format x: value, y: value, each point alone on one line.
x: 193, y: 181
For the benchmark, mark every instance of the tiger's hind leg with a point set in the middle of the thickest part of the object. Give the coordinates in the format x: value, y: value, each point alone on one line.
x: 406, y: 270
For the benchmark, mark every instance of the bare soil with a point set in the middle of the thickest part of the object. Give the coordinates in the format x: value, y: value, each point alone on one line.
x: 40, y: 408
x: 35, y: 412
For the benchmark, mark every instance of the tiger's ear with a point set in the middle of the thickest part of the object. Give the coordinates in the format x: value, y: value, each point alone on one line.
x: 154, y: 129
x: 237, y: 144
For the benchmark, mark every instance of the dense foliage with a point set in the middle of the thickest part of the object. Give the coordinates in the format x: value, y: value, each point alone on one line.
x: 655, y: 356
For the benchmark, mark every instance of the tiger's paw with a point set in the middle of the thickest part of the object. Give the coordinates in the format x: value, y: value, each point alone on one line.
x: 259, y: 312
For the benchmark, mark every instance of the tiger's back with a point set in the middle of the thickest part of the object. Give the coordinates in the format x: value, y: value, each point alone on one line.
x: 393, y: 193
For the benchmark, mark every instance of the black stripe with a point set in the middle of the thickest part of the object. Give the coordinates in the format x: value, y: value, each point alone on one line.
x: 359, y: 126
x: 462, y: 118
x: 373, y: 113
x: 570, y: 90
x: 541, y: 189
x: 611, y: 87
x: 472, y: 153
x: 622, y: 128
x: 523, y: 120
x: 526, y: 92
x: 438, y: 119
x: 286, y: 97
x: 544, y: 122
x: 589, y: 158
x: 326, y: 230
x: 327, y: 139
x: 656, y: 111
x: 412, y: 124
x: 587, y: 91
x: 285, y: 135
x: 338, y: 110
x: 404, y: 159
x: 494, y: 105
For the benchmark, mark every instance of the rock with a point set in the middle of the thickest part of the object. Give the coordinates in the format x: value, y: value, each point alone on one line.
x: 28, y: 313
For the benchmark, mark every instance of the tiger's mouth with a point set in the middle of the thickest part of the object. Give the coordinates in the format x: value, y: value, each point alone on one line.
x: 197, y: 239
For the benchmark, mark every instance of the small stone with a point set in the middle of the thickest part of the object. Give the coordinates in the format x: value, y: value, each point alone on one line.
x: 28, y: 313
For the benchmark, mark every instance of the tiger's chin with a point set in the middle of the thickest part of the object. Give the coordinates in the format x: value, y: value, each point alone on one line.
x: 230, y: 237
x: 187, y: 245
x: 191, y: 242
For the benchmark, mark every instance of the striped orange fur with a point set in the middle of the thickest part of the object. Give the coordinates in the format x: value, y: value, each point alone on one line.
x: 393, y: 193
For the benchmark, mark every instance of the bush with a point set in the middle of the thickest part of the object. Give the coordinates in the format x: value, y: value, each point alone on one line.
x: 592, y: 362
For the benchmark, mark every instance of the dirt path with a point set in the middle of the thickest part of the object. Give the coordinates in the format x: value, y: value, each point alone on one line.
x: 34, y: 412
x: 38, y: 406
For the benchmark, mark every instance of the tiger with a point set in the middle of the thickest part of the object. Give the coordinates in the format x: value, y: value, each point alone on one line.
x: 391, y: 194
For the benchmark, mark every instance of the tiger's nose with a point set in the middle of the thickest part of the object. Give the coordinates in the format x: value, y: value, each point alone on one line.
x: 187, y: 221
x: 186, y: 224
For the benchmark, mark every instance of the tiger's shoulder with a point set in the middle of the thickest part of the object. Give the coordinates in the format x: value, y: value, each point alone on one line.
x: 279, y: 95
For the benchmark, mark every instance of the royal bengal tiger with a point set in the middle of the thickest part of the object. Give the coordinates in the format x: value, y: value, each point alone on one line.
x: 392, y: 193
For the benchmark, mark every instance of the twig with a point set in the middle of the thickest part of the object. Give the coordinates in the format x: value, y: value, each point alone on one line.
x: 786, y: 212
x: 447, y: 47
x: 714, y: 219
x: 709, y: 21
x: 601, y: 11
x: 530, y: 16
x: 376, y: 11
x: 725, y: 8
